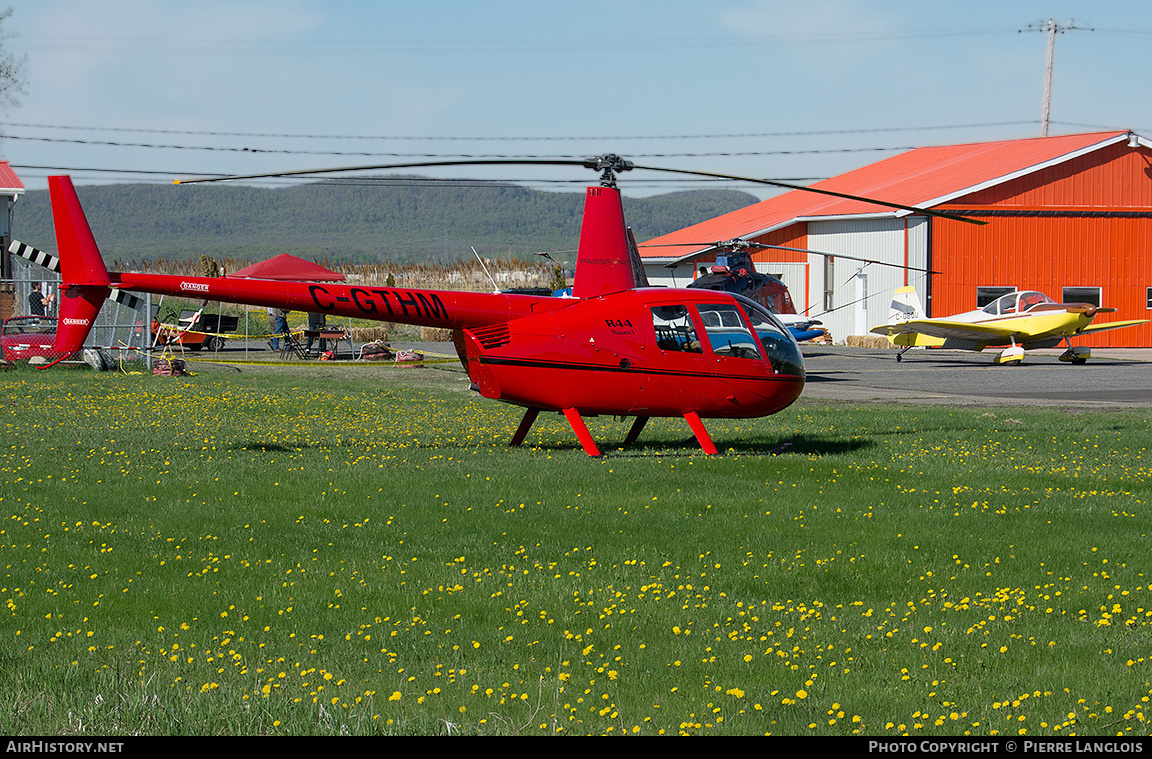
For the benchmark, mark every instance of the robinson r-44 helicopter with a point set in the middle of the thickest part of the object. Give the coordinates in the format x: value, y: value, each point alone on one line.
x: 618, y: 347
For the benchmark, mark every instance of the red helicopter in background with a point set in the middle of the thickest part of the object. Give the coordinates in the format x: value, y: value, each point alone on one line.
x: 618, y: 347
x: 735, y: 272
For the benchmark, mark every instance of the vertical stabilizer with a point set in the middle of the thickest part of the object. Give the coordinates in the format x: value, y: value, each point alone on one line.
x: 85, y: 282
x: 905, y: 306
x: 605, y: 262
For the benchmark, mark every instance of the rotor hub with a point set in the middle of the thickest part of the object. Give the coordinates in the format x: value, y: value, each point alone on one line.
x: 609, y: 166
x: 738, y: 245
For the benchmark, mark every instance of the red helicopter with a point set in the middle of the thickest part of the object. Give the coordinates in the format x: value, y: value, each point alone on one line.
x: 618, y: 347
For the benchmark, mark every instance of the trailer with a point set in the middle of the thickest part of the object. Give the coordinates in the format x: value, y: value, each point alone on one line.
x: 193, y: 330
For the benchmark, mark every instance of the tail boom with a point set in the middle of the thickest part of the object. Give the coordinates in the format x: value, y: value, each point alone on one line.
x: 426, y: 308
x: 86, y: 284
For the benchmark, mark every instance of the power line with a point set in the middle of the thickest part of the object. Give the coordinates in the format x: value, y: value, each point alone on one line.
x: 339, y: 153
x: 468, y: 46
x: 1102, y: 127
x: 480, y: 138
x: 113, y: 171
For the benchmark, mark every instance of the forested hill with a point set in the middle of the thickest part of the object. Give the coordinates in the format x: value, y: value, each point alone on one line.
x: 355, y: 223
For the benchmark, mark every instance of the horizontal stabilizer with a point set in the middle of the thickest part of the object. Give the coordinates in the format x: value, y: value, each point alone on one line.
x: 911, y: 339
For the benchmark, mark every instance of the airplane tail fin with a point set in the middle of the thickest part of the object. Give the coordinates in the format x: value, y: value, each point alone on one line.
x: 85, y: 283
x: 905, y: 306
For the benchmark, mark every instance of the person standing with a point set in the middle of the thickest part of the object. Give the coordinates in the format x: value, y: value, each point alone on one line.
x: 274, y: 343
x: 39, y: 301
x: 316, y: 323
x: 278, y: 325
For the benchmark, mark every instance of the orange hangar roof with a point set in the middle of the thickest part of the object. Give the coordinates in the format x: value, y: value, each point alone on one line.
x: 10, y: 184
x: 923, y: 177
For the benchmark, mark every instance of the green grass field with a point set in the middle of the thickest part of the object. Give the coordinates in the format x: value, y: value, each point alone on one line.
x: 347, y: 549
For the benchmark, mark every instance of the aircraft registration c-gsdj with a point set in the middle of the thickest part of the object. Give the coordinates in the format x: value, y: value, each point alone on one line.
x: 618, y: 347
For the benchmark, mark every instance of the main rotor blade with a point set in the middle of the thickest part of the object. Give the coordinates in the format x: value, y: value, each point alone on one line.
x: 831, y: 193
x: 850, y: 258
x: 716, y: 247
x: 608, y: 164
x: 384, y: 166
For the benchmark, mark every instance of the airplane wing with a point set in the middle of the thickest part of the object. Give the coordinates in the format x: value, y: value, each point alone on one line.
x: 1091, y: 328
x: 955, y: 330
x: 946, y: 329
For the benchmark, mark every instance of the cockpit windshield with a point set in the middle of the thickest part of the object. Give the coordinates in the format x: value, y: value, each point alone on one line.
x: 728, y: 334
x: 1017, y: 303
x: 779, y: 346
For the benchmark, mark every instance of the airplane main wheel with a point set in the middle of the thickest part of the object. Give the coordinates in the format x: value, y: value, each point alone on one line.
x: 899, y: 358
x: 1079, y: 361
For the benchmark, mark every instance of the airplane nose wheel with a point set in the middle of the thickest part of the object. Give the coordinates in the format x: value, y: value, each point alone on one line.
x: 1077, y: 355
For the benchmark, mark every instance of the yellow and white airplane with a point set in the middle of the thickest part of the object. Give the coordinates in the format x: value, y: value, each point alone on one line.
x: 1020, y: 320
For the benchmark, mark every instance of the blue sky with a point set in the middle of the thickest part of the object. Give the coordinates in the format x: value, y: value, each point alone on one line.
x: 787, y: 90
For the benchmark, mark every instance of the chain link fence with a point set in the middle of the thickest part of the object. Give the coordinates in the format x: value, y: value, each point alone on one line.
x: 122, y: 330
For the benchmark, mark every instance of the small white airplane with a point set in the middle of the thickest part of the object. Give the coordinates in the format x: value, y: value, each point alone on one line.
x: 1021, y: 320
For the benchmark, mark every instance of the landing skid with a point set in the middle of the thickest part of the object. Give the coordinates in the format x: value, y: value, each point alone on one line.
x: 589, y: 444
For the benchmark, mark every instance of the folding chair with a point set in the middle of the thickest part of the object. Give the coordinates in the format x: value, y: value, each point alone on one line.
x: 290, y: 348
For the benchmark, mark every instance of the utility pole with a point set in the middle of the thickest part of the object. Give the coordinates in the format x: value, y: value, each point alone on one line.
x: 1052, y: 28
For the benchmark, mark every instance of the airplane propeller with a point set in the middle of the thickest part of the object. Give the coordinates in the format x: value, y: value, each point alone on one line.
x: 608, y: 165
x: 1087, y: 309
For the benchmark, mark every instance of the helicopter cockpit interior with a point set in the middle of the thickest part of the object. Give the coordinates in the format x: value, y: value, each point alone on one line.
x: 729, y: 333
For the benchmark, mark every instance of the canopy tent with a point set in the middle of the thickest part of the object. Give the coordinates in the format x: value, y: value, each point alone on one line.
x: 288, y: 267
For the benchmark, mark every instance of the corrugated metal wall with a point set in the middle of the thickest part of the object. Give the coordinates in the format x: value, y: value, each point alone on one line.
x: 903, y: 242
x: 1085, y: 223
x: 899, y: 241
x: 789, y: 266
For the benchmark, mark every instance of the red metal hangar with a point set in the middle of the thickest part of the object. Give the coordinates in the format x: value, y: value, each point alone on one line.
x: 1068, y: 216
